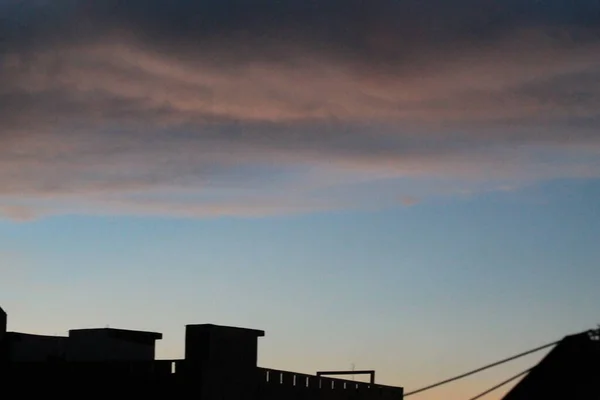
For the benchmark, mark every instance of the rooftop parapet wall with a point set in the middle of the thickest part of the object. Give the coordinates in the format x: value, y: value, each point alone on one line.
x: 174, y: 375
x: 277, y: 384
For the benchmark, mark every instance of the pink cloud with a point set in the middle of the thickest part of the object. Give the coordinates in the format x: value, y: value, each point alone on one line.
x: 409, y: 201
x: 17, y: 213
x: 106, y: 126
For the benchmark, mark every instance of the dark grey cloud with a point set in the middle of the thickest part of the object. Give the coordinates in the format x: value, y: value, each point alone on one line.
x: 343, y: 27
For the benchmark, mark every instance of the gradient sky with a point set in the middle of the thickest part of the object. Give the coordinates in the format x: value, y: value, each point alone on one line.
x: 410, y: 186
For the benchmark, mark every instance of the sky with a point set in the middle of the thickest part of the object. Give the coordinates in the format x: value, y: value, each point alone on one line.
x: 410, y: 186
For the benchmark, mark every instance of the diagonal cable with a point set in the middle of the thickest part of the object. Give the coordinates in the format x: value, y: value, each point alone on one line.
x: 498, y: 386
x: 481, y: 369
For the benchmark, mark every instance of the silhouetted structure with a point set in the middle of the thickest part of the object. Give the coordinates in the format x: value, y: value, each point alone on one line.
x: 25, y: 347
x: 220, y: 363
x: 109, y: 344
x: 3, y: 323
x: 82, y: 345
x: 570, y: 371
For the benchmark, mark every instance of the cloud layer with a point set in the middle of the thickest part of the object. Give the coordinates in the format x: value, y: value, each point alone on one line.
x: 253, y: 108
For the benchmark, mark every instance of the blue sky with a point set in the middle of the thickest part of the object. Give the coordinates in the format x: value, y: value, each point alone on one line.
x: 419, y: 292
x: 410, y: 186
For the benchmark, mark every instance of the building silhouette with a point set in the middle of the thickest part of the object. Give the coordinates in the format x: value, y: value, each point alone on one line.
x: 220, y: 364
x: 570, y: 371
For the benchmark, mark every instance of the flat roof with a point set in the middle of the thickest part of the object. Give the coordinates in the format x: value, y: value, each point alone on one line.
x: 124, y: 334
x: 33, y: 335
x: 256, y: 332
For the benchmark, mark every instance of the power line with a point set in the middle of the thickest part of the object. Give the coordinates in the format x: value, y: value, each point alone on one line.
x: 481, y: 369
x: 498, y: 386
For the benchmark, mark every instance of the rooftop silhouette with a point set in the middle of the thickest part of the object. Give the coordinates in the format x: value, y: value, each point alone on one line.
x: 570, y: 371
x: 220, y: 363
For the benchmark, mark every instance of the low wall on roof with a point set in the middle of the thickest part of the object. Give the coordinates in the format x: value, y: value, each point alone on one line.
x: 179, y: 376
x: 279, y: 385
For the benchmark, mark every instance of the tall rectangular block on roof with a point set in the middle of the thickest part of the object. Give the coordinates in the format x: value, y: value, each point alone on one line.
x: 222, y: 345
x: 226, y: 358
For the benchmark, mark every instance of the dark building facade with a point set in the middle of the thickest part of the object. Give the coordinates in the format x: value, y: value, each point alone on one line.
x: 220, y: 364
x: 25, y: 347
x: 82, y: 345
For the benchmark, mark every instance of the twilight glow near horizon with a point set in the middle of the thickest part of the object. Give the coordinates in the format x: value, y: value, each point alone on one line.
x: 407, y: 186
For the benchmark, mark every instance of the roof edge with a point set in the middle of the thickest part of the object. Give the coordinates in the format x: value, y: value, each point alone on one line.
x: 257, y: 332
x: 147, y: 334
